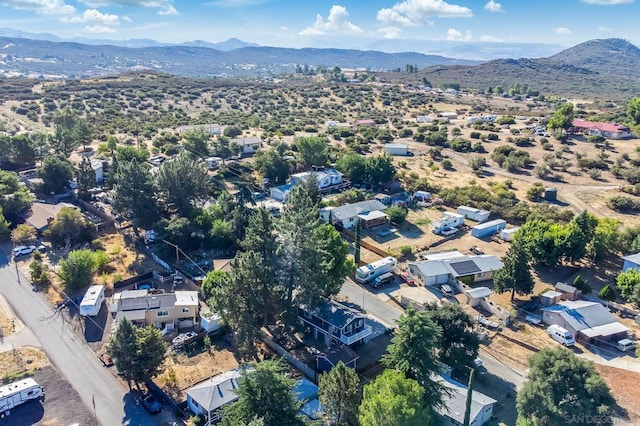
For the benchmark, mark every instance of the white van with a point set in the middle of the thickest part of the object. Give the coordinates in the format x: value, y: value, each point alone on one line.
x: 625, y: 345
x: 561, y: 335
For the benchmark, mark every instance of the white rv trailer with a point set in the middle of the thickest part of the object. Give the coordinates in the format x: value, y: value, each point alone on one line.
x: 369, y: 272
x: 19, y: 392
x: 92, y: 301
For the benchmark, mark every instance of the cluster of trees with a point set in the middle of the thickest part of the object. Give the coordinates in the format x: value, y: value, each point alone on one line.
x: 376, y: 169
x: 138, y: 352
x: 403, y: 394
x: 14, y: 198
x: 562, y: 388
x: 294, y: 261
x: 628, y: 284
x: 77, y: 270
x: 510, y: 158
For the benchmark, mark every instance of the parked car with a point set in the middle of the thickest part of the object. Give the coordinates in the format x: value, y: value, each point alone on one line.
x: 407, y: 278
x: 475, y: 250
x: 151, y: 404
x: 447, y: 291
x: 625, y: 345
x: 478, y: 363
x: 534, y: 319
x: 23, y: 250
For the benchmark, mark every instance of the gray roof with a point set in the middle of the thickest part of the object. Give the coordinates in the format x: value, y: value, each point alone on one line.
x: 335, y: 313
x: 455, y: 401
x: 352, y: 210
x: 459, y: 266
x: 566, y: 288
x: 430, y: 268
x: 490, y: 224
x: 336, y: 353
x: 581, y: 315
x: 634, y: 258
x: 251, y: 140
x: 135, y: 300
x: 216, y: 391
x: 478, y: 292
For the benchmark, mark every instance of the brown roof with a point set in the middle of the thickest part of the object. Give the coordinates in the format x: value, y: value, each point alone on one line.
x: 40, y: 213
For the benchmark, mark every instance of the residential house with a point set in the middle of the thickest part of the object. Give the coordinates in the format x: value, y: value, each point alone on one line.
x: 588, y: 322
x: 167, y: 311
x: 98, y: 167
x: 326, y: 178
x: 207, y: 398
x: 212, y: 129
x: 367, y: 122
x: 568, y: 292
x: 280, y: 193
x: 335, y: 323
x: 471, y: 269
x: 328, y: 359
x: 631, y: 262
x: 606, y: 130
x: 455, y: 403
x: 249, y: 145
x: 370, y: 213
x: 40, y: 215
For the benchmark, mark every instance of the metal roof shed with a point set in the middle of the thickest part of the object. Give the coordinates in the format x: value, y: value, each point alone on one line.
x: 488, y: 228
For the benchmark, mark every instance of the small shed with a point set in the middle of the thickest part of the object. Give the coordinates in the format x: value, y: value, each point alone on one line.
x: 488, y: 228
x: 508, y: 234
x: 450, y: 115
x: 473, y: 213
x: 475, y: 295
x: 551, y: 193
x: 567, y: 291
x: 422, y: 195
x: 328, y: 359
x: 396, y: 149
x: 550, y: 298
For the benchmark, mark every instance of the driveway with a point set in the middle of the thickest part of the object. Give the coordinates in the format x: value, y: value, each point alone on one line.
x: 69, y: 353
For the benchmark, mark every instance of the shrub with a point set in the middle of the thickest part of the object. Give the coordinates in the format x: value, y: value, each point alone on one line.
x: 535, y: 192
x: 595, y: 139
x: 405, y: 250
x: 446, y: 164
x: 493, y: 137
x: 460, y: 145
x: 477, y: 162
x: 622, y: 203
x: 475, y: 135
x: 478, y: 147
x: 582, y: 285
x: 607, y: 293
x: 396, y: 214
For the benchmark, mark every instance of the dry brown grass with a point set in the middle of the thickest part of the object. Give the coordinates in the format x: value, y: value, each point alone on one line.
x: 624, y: 387
x: 8, y: 321
x: 22, y: 359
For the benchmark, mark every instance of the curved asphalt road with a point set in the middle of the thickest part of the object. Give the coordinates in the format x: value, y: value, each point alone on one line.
x: 71, y: 356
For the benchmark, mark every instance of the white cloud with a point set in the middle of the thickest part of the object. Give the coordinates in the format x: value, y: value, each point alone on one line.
x: 605, y: 29
x: 42, y: 7
x: 337, y: 21
x: 420, y: 12
x: 562, y: 30
x: 165, y: 6
x: 283, y: 28
x: 99, y: 29
x: 390, y: 32
x: 127, y: 19
x: 607, y: 2
x: 455, y: 35
x: 93, y: 16
x: 490, y: 38
x: 492, y: 6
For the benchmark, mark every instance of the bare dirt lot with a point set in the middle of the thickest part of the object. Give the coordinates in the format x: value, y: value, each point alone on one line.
x: 22, y: 359
x: 62, y: 405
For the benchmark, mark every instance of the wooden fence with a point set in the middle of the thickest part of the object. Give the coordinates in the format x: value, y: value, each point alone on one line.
x: 351, y: 236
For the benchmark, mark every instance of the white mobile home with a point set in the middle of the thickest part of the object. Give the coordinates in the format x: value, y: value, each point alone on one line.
x: 508, y: 234
x: 92, y: 301
x: 396, y: 149
x: 473, y: 213
x: 18, y: 393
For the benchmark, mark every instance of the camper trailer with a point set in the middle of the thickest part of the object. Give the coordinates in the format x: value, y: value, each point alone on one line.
x: 17, y: 393
x: 369, y: 272
x: 92, y: 301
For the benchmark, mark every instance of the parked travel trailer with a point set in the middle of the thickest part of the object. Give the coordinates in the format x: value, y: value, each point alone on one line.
x: 17, y: 393
x: 561, y: 335
x: 486, y: 229
x: 473, y: 213
x: 448, y: 222
x: 508, y: 234
x: 369, y: 272
x: 92, y: 301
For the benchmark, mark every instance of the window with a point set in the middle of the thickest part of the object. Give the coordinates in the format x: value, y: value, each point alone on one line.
x: 163, y: 314
x: 185, y: 310
x: 30, y: 393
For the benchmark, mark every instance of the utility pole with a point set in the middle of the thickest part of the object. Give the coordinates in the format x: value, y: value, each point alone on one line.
x: 356, y: 245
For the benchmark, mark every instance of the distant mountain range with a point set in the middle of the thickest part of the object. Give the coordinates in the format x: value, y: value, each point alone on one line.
x: 63, y: 59
x: 604, y: 69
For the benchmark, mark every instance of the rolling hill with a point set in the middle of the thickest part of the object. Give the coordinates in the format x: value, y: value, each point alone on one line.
x: 34, y: 58
x: 601, y: 69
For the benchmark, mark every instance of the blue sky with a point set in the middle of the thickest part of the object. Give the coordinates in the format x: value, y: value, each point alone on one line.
x: 337, y: 23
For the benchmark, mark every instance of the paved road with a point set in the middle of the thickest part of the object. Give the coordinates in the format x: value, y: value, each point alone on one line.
x: 502, y: 370
x: 70, y: 355
x: 371, y: 303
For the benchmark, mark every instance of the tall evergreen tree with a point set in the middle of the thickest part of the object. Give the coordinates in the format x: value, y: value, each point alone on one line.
x: 134, y: 194
x: 339, y: 394
x: 183, y: 182
x: 85, y: 178
x: 265, y: 395
x: 515, y: 275
x: 413, y: 352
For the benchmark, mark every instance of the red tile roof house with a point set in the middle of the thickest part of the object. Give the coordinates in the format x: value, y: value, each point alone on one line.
x: 607, y: 130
